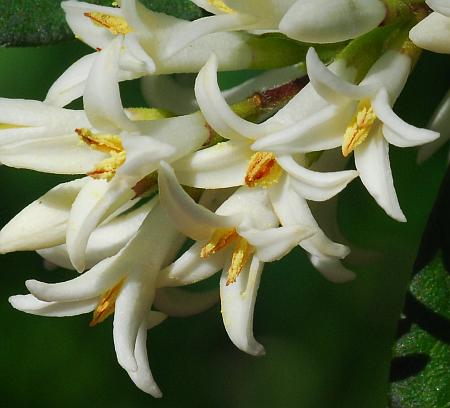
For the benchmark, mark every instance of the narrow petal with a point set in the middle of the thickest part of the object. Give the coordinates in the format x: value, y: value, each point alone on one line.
x: 238, y: 303
x: 332, y: 269
x: 143, y: 377
x: 190, y: 268
x: 220, y: 166
x: 183, y: 303
x: 372, y: 162
x: 43, y: 223
x: 215, y: 108
x: 314, y: 185
x: 395, y: 130
x: 274, y: 243
x: 101, y: 98
x: 189, y: 217
x: 331, y: 87
x: 30, y: 304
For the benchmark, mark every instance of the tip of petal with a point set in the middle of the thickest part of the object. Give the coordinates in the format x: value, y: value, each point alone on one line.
x: 127, y: 362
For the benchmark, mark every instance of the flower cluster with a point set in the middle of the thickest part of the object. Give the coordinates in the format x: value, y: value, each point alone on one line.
x: 234, y: 171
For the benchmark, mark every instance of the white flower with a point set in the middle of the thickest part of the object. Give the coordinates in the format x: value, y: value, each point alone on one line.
x: 366, y: 133
x: 245, y: 222
x: 153, y: 43
x: 234, y: 163
x: 433, y: 32
x: 126, y: 285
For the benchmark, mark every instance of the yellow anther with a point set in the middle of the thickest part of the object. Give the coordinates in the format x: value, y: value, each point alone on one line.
x: 106, y: 304
x: 241, y: 255
x: 221, y: 238
x: 263, y: 170
x: 220, y: 5
x: 359, y: 128
x: 105, y: 143
x: 147, y: 113
x: 4, y: 126
x: 115, y: 24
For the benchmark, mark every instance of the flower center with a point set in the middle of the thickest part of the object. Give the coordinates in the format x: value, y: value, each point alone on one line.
x: 220, y: 5
x: 359, y: 127
x: 115, y: 24
x: 105, y: 143
x: 106, y: 305
x: 242, y: 251
x: 263, y: 170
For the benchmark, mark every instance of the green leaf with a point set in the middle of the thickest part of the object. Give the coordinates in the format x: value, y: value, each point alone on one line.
x: 40, y: 22
x: 423, y: 354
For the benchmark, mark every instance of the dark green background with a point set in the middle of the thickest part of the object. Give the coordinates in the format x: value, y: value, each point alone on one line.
x: 327, y: 345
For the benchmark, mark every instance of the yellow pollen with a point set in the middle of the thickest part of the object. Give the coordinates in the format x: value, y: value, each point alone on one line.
x: 359, y: 128
x: 115, y: 24
x: 106, y: 143
x: 263, y: 170
x: 221, y: 238
x: 220, y: 5
x: 106, y: 304
x: 241, y: 255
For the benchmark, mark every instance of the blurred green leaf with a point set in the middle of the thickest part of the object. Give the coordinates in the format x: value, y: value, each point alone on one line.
x: 422, y: 356
x: 40, y: 22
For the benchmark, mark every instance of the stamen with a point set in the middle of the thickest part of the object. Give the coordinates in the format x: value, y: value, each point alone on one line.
x: 263, y: 170
x: 115, y: 24
x: 239, y: 259
x: 106, y: 143
x: 359, y: 128
x: 221, y: 238
x: 220, y: 4
x: 106, y: 304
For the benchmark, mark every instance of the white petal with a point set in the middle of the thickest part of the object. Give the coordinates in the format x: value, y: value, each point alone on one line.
x: 322, y: 21
x: 395, y: 130
x: 432, y: 33
x: 190, y: 268
x: 238, y: 303
x: 101, y: 98
x: 441, y: 6
x: 314, y: 185
x: 105, y: 241
x: 215, y: 108
x: 372, y: 162
x: 189, y: 217
x: 183, y: 303
x: 274, y: 243
x: 134, y: 48
x: 330, y: 86
x: 291, y: 209
x: 220, y: 166
x: 332, y: 269
x: 143, y: 377
x: 43, y: 223
x: 30, y: 304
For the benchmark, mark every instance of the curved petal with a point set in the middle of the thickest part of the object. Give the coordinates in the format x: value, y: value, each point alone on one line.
x: 332, y: 269
x: 133, y: 46
x: 331, y: 87
x: 238, y: 303
x: 395, y: 130
x: 314, y: 185
x: 101, y: 98
x: 190, y: 268
x: 32, y: 305
x: 42, y: 223
x: 183, y: 303
x: 441, y: 6
x: 215, y: 108
x: 292, y: 209
x: 274, y: 243
x: 372, y: 162
x: 220, y: 166
x: 143, y: 377
x: 432, y: 33
x: 189, y: 217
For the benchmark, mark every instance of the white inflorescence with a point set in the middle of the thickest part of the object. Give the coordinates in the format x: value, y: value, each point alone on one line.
x: 238, y: 187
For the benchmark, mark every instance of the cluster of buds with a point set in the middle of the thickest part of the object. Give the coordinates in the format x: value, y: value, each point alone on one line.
x: 233, y: 171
